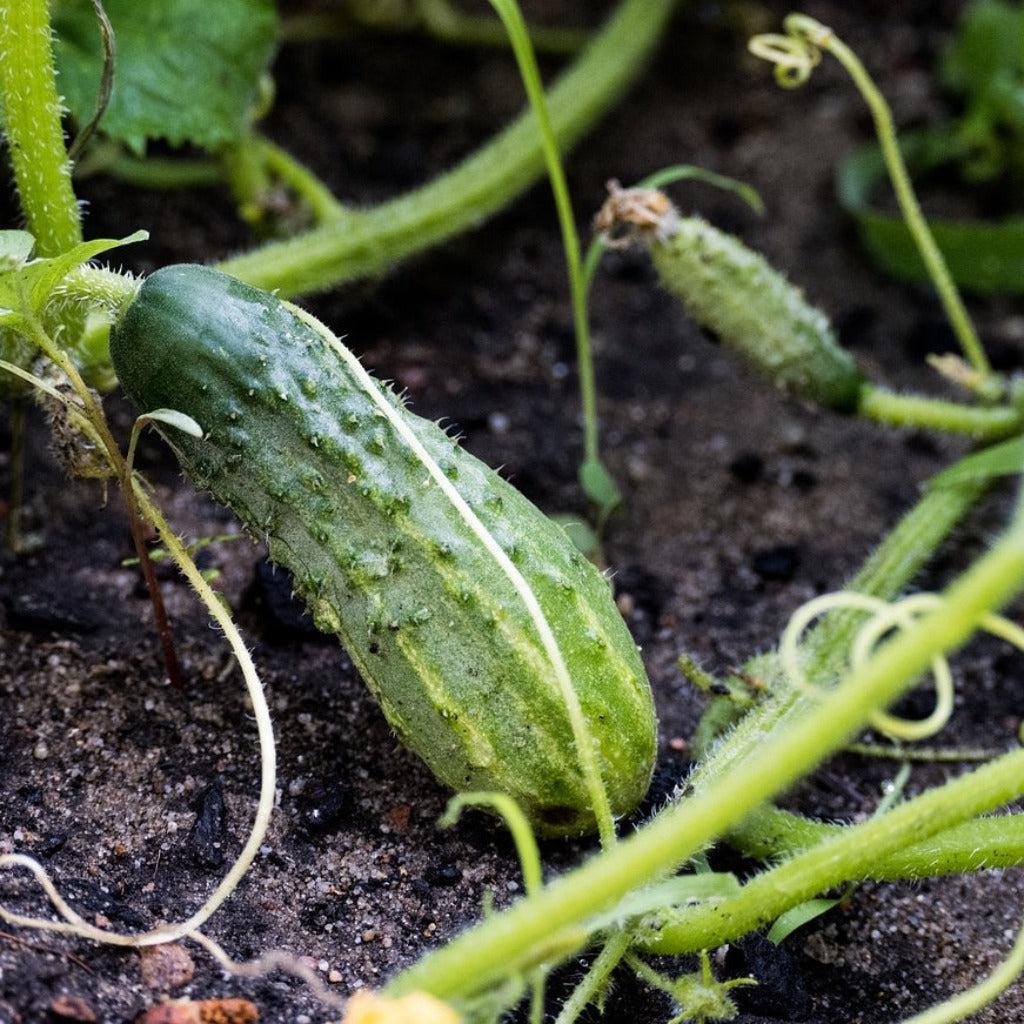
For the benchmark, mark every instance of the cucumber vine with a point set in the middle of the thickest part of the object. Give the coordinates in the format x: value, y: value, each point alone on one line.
x: 559, y: 657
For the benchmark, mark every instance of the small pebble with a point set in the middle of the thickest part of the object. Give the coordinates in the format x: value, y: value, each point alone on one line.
x: 72, y: 1008
x: 206, y: 1011
x: 778, y: 563
x: 41, y: 751
x: 166, y: 967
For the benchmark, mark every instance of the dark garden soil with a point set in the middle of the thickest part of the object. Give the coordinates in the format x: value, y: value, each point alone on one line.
x: 739, y: 506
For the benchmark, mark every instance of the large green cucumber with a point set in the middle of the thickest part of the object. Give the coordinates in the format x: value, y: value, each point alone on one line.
x: 328, y: 466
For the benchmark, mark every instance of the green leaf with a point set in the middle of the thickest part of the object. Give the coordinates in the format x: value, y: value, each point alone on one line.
x: 987, y: 46
x: 44, y: 275
x: 599, y: 486
x: 985, y: 258
x: 179, y: 420
x: 796, y: 917
x: 15, y: 248
x: 186, y: 70
x: 1006, y: 459
x: 35, y: 280
x: 580, y: 532
x: 673, y: 892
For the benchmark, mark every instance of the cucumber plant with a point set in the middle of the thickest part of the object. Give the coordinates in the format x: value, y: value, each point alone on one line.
x: 494, y: 648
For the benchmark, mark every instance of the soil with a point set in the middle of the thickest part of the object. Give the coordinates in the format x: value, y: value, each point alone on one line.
x: 740, y: 505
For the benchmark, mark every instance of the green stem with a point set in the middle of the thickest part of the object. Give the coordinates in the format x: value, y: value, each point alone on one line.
x: 487, y: 952
x: 107, y: 157
x: 931, y: 755
x: 983, y: 423
x: 93, y: 411
x: 35, y: 138
x: 769, y: 833
x: 444, y: 22
x: 932, y: 256
x: 596, y: 977
x: 512, y: 19
x: 891, y: 566
x: 853, y: 852
x: 370, y: 242
x: 246, y: 174
x: 302, y: 181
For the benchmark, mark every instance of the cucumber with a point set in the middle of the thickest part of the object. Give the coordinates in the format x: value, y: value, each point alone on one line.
x: 329, y: 468
x: 754, y: 310
x: 737, y: 294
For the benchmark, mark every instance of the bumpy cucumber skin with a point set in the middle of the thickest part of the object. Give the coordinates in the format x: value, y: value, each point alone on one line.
x: 754, y: 310
x: 295, y: 445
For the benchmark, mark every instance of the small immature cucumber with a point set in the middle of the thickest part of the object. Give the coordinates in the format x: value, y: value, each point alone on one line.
x: 309, y: 452
x: 736, y: 293
x: 733, y: 291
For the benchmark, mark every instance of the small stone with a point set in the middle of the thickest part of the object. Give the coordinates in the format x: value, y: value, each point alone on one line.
x: 678, y: 744
x: 747, y: 467
x: 207, y: 1011
x: 167, y: 967
x: 335, y: 977
x: 399, y: 817
x: 72, y: 1008
x: 41, y: 751
x: 778, y: 563
x: 206, y: 839
x: 369, y: 935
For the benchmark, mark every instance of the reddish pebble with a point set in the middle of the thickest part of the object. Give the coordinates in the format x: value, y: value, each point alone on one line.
x: 207, y: 1011
x: 166, y: 967
x: 72, y: 1008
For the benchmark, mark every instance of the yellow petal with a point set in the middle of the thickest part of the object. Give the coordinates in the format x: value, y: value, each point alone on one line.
x: 416, y: 1008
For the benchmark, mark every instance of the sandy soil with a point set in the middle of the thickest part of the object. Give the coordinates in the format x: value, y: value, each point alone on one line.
x: 740, y: 505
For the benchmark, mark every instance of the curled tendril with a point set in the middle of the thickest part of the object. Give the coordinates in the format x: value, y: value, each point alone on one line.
x: 795, y: 54
x: 886, y: 616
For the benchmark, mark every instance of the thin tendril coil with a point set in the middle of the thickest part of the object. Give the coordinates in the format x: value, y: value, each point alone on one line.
x: 885, y: 616
x: 794, y: 56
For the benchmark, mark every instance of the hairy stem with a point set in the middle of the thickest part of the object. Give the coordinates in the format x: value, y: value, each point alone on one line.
x: 853, y: 852
x: 983, y: 423
x: 891, y: 566
x: 35, y: 138
x: 770, y: 833
x: 94, y: 413
x: 596, y: 978
x: 369, y: 242
x: 489, y: 950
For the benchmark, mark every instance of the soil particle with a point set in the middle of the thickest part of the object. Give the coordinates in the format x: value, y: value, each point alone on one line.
x: 72, y: 1009
x: 206, y: 838
x: 780, y: 993
x: 283, y: 618
x: 166, y: 967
